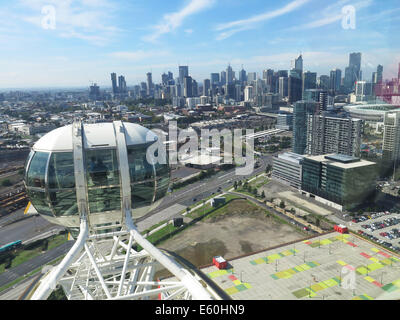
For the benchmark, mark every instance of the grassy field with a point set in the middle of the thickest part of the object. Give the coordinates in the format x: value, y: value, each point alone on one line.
x: 22, y: 255
x: 204, y: 211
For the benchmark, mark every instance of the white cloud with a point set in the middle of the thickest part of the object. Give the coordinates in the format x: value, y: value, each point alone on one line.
x: 229, y: 29
x: 172, y: 21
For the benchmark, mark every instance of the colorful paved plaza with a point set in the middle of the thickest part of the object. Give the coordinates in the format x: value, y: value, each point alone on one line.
x: 330, y: 267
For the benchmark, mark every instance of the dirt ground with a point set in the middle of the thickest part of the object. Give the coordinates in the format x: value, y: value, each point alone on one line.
x: 240, y: 228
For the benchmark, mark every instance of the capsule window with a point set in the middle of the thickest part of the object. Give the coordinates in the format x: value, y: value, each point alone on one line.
x: 64, y: 203
x: 39, y: 201
x: 139, y: 168
x: 61, y: 171
x: 37, y: 170
x: 102, y: 168
x: 104, y: 199
x: 142, y: 194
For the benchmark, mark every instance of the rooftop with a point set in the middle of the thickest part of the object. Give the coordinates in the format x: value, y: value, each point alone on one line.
x: 292, y: 157
x: 341, y: 161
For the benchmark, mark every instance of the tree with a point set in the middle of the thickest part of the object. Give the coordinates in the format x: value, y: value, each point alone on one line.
x: 282, y: 204
x: 263, y: 194
x: 235, y: 185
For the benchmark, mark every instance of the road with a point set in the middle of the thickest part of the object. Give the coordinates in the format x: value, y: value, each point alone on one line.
x: 24, y: 229
x: 204, y: 188
x: 34, y: 263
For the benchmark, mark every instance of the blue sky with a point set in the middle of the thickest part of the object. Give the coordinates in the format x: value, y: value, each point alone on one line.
x: 92, y: 38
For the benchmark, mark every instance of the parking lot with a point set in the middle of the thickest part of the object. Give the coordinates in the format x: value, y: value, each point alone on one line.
x: 382, y: 227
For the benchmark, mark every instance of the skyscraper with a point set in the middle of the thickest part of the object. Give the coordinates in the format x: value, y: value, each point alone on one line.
x: 301, y: 111
x: 251, y: 76
x: 229, y: 75
x: 298, y: 64
x: 164, y: 79
x: 214, y: 77
x: 149, y: 84
x: 268, y: 76
x: 121, y: 85
x: 183, y: 72
x: 248, y: 93
x: 188, y: 87
x: 114, y: 83
x: 283, y: 87
x: 309, y: 80
x: 242, y: 75
x: 294, y: 86
x: 206, y: 87
x: 353, y: 71
x: 223, y: 78
x: 379, y: 75
x: 335, y: 80
x: 323, y: 82
x: 195, y: 88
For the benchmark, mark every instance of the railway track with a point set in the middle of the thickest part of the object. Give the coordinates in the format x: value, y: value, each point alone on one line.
x: 11, y: 202
x: 10, y: 169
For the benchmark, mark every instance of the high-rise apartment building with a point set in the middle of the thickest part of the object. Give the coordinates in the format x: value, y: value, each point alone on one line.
x: 114, y: 83
x: 301, y: 111
x: 149, y: 84
x: 391, y: 137
x: 122, y: 84
x: 331, y: 134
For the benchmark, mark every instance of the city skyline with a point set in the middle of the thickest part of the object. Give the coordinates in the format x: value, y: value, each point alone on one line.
x: 92, y: 38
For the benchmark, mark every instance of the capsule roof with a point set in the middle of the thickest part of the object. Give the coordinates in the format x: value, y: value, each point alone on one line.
x: 94, y: 136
